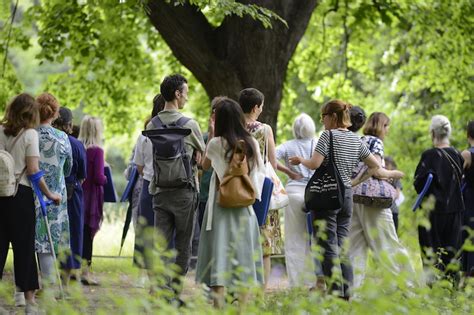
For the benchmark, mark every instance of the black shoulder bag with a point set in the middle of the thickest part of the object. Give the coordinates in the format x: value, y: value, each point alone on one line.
x: 325, y: 189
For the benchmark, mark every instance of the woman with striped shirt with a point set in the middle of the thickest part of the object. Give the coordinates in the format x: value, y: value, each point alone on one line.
x: 348, y: 151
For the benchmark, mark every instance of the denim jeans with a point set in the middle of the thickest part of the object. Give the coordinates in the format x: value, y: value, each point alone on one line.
x: 335, y: 250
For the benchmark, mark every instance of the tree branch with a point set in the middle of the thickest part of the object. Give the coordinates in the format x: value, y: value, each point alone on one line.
x: 186, y: 31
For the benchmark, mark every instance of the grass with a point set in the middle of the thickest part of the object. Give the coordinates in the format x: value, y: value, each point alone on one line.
x: 382, y: 293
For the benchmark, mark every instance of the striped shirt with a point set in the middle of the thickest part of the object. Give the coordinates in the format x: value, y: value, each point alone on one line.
x: 348, y: 151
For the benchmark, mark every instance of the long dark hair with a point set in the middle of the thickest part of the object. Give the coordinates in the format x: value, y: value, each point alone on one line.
x: 230, y: 124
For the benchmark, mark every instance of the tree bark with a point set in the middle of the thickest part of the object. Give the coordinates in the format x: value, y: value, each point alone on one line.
x: 240, y: 53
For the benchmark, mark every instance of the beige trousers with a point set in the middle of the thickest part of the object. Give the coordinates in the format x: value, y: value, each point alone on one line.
x: 373, y: 228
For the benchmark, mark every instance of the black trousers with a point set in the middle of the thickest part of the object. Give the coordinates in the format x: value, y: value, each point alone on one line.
x: 87, y: 245
x: 333, y: 244
x: 444, y: 238
x: 17, y: 226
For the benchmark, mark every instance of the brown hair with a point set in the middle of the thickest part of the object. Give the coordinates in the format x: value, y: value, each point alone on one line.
x: 376, y: 124
x: 21, y: 113
x: 341, y: 111
x: 48, y: 106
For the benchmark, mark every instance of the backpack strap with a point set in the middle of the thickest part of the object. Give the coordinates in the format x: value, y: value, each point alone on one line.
x: 182, y: 121
x: 156, y: 121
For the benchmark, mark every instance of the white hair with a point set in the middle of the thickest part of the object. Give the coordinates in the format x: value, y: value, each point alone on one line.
x: 304, y: 127
x: 440, y: 129
x: 91, y: 130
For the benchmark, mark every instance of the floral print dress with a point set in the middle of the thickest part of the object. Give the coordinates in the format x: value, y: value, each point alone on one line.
x: 56, y: 163
x: 271, y: 230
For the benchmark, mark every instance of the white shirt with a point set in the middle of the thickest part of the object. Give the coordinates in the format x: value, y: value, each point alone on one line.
x: 297, y: 147
x: 144, y: 157
x: 26, y: 145
x: 216, y: 149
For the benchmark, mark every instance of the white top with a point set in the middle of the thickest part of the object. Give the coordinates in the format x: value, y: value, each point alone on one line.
x: 216, y: 149
x: 144, y: 156
x: 26, y: 145
x: 297, y: 147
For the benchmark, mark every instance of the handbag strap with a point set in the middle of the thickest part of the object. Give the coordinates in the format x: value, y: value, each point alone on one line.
x: 17, y: 181
x: 456, y: 168
x: 265, y: 150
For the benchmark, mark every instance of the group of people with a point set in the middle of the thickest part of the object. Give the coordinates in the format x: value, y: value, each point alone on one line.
x: 231, y: 246
x: 38, y: 134
x: 178, y: 196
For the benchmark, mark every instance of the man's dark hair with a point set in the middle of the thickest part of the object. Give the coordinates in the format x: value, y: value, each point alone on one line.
x: 250, y: 97
x: 470, y: 129
x: 170, y: 85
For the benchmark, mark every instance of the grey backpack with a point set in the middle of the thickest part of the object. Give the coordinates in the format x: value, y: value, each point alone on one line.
x: 172, y: 166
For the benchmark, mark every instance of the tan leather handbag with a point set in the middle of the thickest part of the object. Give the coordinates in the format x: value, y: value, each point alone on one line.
x: 236, y: 189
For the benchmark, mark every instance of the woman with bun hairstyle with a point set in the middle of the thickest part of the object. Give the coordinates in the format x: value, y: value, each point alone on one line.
x: 75, y: 200
x: 56, y: 163
x: 348, y: 151
x: 445, y: 163
x: 91, y: 136
x: 17, y: 226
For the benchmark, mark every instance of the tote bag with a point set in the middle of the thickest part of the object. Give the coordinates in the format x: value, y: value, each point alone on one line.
x: 373, y: 192
x: 325, y: 189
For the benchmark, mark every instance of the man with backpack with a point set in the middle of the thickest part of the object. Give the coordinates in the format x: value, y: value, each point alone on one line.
x: 177, y: 145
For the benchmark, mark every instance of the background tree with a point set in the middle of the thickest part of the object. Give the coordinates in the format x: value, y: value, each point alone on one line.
x: 238, y: 53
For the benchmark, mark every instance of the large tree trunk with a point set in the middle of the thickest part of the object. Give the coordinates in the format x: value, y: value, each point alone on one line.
x: 240, y: 53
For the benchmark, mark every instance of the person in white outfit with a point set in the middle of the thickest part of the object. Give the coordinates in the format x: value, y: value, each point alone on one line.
x: 299, y: 263
x: 373, y: 228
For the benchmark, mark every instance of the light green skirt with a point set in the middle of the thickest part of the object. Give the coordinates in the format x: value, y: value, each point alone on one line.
x: 231, y: 253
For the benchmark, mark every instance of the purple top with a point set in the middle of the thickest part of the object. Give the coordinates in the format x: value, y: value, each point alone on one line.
x: 93, y: 188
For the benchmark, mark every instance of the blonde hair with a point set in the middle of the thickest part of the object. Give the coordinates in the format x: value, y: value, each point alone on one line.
x: 440, y: 129
x: 304, y: 127
x: 341, y: 110
x: 91, y: 131
x: 376, y: 124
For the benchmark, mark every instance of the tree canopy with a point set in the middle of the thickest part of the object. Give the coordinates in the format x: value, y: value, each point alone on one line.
x: 410, y: 59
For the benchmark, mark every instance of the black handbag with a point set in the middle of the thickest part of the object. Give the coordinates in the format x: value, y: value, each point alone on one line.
x: 325, y: 189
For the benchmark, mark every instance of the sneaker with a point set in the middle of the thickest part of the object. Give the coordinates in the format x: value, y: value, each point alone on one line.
x: 31, y: 309
x: 19, y: 298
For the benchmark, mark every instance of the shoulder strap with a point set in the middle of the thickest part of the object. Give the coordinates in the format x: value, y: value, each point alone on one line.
x: 455, y: 167
x: 15, y: 140
x: 182, y: 121
x: 156, y: 121
x: 265, y: 137
x: 331, y: 153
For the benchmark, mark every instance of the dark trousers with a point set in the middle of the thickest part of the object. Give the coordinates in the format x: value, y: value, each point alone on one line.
x: 17, y: 226
x: 333, y: 245
x: 444, y: 239
x: 176, y: 213
x: 87, y: 245
x: 395, y: 221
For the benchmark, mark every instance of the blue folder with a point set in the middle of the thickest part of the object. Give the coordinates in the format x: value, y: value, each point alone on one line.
x: 127, y: 193
x: 109, y: 189
x: 423, y: 192
x: 261, y: 206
